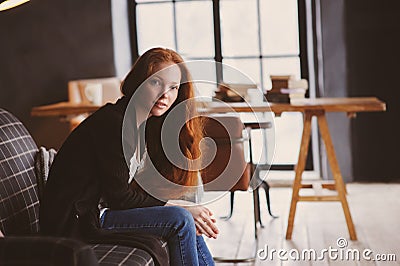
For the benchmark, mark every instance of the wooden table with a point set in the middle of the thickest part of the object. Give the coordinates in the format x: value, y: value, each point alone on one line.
x: 63, y: 109
x: 309, y: 107
x: 313, y: 107
x: 348, y: 105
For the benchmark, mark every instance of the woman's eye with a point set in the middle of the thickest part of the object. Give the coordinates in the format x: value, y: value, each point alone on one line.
x: 155, y: 82
x: 175, y: 87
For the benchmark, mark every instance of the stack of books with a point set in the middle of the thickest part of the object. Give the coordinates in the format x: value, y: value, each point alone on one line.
x: 233, y: 92
x: 286, y: 89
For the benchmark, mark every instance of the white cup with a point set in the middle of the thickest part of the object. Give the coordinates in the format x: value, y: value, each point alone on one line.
x: 94, y: 93
x: 255, y: 95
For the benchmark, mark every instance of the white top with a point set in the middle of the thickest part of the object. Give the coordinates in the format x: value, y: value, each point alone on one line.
x: 135, y: 166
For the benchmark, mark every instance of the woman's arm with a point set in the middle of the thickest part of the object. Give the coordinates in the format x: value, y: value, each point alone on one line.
x: 112, y: 168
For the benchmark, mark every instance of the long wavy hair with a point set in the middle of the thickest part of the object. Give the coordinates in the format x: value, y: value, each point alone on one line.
x: 192, y: 130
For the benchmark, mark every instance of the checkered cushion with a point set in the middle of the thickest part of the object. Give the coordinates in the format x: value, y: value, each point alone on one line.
x: 19, y: 251
x: 19, y: 204
x: 108, y: 255
x: 62, y: 251
x: 19, y: 212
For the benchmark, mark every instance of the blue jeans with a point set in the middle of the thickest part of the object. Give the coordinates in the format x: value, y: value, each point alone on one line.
x: 172, y: 223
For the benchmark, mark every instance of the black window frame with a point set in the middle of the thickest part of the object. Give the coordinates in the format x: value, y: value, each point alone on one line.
x: 218, y: 56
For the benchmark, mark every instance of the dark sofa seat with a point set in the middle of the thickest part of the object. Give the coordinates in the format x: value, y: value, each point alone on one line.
x: 19, y: 213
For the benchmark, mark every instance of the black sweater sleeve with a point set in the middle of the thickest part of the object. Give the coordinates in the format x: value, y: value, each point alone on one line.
x: 112, y: 167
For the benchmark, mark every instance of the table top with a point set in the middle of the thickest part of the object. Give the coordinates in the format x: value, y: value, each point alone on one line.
x: 349, y: 105
x: 64, y: 109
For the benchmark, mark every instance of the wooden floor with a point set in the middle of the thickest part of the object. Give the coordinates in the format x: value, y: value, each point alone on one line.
x: 375, y: 209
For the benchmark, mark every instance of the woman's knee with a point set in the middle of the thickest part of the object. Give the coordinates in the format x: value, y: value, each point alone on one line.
x: 181, y: 216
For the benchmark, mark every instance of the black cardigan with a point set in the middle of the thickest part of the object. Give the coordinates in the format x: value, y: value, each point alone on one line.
x: 91, y: 165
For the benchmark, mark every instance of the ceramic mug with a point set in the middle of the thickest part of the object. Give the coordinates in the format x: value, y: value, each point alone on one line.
x: 94, y: 93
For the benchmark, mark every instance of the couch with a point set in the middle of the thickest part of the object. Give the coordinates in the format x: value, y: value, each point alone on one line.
x: 22, y: 243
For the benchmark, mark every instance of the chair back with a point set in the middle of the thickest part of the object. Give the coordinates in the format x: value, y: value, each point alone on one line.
x: 19, y: 202
x: 228, y: 170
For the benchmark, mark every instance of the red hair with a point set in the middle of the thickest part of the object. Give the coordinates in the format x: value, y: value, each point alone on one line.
x: 192, y: 130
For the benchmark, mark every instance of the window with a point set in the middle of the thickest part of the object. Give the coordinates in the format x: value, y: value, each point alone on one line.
x: 177, y: 25
x: 258, y: 37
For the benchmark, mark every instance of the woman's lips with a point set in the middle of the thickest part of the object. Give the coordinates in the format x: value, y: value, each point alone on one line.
x: 160, y: 105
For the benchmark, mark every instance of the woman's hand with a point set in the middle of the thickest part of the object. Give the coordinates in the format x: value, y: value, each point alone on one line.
x: 202, y: 216
x: 205, y: 224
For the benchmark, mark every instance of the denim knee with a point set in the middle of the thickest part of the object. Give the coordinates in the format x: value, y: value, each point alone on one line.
x: 183, y: 218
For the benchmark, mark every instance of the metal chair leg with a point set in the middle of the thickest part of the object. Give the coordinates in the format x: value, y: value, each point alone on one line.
x: 232, y: 199
x: 266, y: 188
x: 257, y: 209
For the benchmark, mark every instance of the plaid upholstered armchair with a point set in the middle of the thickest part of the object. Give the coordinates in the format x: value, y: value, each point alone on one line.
x: 19, y: 213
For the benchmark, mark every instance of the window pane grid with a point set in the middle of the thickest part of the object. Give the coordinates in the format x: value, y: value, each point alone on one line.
x: 279, y: 26
x: 258, y: 37
x: 147, y: 26
x: 259, y: 6
x: 181, y: 37
x: 260, y: 45
x: 239, y: 28
x: 175, y: 31
x: 195, y: 19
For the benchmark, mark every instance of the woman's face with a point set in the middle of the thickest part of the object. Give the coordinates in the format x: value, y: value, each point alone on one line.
x: 161, y: 89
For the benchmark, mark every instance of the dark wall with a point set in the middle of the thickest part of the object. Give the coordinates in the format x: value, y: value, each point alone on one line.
x: 43, y: 45
x: 360, y: 48
x: 373, y: 58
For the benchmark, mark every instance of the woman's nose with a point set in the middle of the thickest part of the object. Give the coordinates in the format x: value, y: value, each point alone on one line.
x: 163, y: 95
x: 165, y: 92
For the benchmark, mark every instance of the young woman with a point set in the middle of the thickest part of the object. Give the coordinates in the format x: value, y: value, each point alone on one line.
x: 93, y: 166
